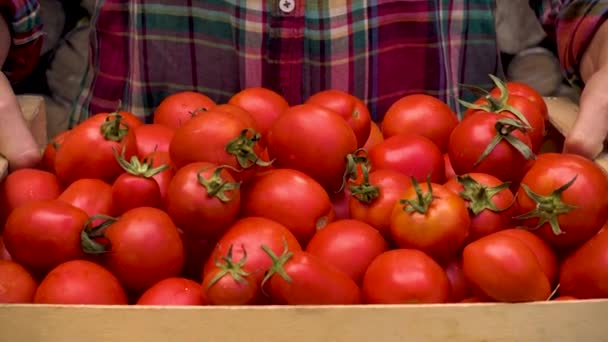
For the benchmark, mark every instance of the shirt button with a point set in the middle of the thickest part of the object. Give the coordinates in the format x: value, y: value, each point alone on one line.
x: 287, y: 6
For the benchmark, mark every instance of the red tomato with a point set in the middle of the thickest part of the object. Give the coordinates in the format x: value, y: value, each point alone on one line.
x: 172, y: 291
x: 410, y: 154
x: 16, y: 284
x: 263, y: 104
x: 489, y: 200
x: 94, y: 196
x: 227, y: 283
x: 405, y: 276
x: 431, y: 218
x: 375, y: 137
x: 350, y: 107
x: 340, y: 203
x: 239, y: 113
x: 4, y: 254
x: 227, y: 141
x: 563, y: 198
x: 286, y: 189
x: 144, y: 248
x: 373, y: 202
x: 151, y: 138
x: 314, y: 140
x: 203, y: 200
x: 524, y: 90
x: 176, y: 109
x: 516, y: 275
x: 88, y: 151
x: 562, y: 298
x: 348, y: 245
x: 136, y: 187
x: 50, y: 151
x: 43, y: 234
x: 471, y: 147
x: 163, y: 178
x: 24, y: 186
x: 420, y: 114
x: 449, y: 171
x: 584, y: 273
x: 80, y: 282
x: 248, y: 234
x: 458, y: 281
x: 300, y: 278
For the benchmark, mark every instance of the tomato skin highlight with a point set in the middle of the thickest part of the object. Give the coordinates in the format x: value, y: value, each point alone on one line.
x: 405, y: 276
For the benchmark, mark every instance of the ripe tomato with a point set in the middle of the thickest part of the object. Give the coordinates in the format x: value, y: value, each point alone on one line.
x: 172, y: 291
x: 88, y: 151
x: 431, y: 218
x: 449, y: 171
x: 314, y: 140
x: 410, y: 154
x: 516, y: 275
x: 24, y: 186
x: 50, y: 151
x: 300, y: 278
x: 226, y: 283
x: 43, y: 234
x: 405, y: 276
x: 144, y: 247
x: 459, y: 284
x: 203, y: 200
x: 584, y: 273
x: 350, y: 107
x: 492, y: 144
x: 176, y: 109
x: 375, y: 137
x: 373, y: 201
x: 489, y: 200
x: 80, y: 282
x: 263, y: 104
x: 348, y: 245
x: 218, y: 138
x: 420, y: 114
x: 163, y: 178
x: 16, y: 283
x: 94, y: 196
x: 151, y: 138
x: 286, y: 189
x: 239, y: 113
x: 524, y: 90
x: 248, y: 234
x: 564, y: 199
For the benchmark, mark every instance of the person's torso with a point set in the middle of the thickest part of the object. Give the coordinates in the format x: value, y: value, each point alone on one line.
x: 143, y: 50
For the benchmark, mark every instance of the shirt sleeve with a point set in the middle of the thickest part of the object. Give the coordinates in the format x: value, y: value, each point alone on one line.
x: 572, y: 24
x: 22, y: 17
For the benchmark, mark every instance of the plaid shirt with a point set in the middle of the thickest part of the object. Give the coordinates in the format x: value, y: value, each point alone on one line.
x: 144, y: 50
x: 26, y: 34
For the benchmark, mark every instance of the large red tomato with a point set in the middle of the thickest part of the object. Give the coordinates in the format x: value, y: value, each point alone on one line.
x: 314, y: 140
x: 564, y: 199
x: 263, y: 104
x: 489, y: 200
x: 431, y: 218
x: 350, y: 107
x: 421, y: 114
x: 490, y: 143
x: 176, y: 109
x: 410, y: 154
x: 16, y: 284
x: 88, y: 151
x: 405, y: 276
x: 276, y: 193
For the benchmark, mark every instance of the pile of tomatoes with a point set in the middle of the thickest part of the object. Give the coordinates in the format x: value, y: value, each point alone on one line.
x: 258, y: 202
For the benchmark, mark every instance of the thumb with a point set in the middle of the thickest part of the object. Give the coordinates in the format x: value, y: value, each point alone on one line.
x: 590, y: 129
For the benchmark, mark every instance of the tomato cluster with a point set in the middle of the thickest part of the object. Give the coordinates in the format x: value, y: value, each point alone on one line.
x: 256, y: 201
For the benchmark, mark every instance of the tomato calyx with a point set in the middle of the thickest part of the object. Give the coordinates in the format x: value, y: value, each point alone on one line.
x: 365, y: 192
x: 144, y: 168
x: 548, y: 208
x: 90, y: 235
x: 114, y: 129
x: 215, y: 185
x: 493, y: 104
x: 357, y: 166
x: 228, y: 266
x: 504, y: 127
x: 242, y: 148
x: 278, y: 263
x: 479, y: 196
x: 422, y: 202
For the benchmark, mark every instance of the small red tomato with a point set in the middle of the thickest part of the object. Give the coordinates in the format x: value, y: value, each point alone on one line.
x: 16, y: 284
x: 50, y: 151
x: 94, y: 196
x: 172, y: 291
